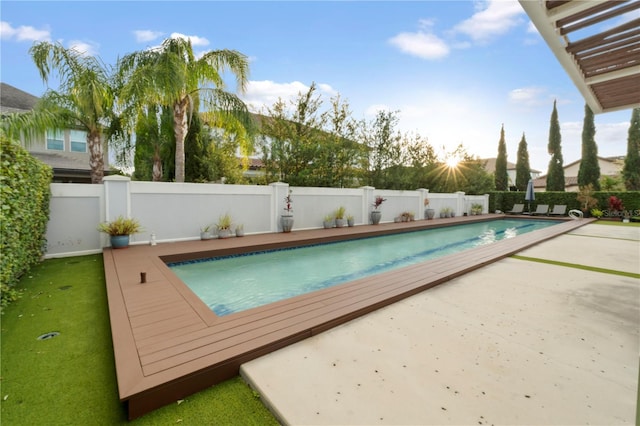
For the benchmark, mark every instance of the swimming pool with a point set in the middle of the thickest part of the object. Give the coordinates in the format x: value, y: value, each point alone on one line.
x: 240, y: 282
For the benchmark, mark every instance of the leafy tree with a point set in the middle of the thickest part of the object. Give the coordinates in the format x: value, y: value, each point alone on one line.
x: 611, y: 184
x: 291, y: 140
x: 589, y: 172
x: 555, y: 175
x: 197, y: 152
x: 340, y: 153
x: 383, y: 143
x: 172, y: 77
x: 501, y: 175
x: 469, y: 175
x: 523, y: 170
x: 631, y: 168
x: 154, y: 142
x: 84, y: 101
x: 420, y: 155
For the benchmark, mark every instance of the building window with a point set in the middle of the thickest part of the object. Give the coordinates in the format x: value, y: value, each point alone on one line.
x: 55, y: 140
x: 78, y: 141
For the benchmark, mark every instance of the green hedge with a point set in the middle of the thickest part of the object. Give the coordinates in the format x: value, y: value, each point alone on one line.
x: 24, y: 214
x: 504, y: 201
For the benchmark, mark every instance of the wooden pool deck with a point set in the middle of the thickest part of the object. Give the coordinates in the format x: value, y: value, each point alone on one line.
x: 168, y: 344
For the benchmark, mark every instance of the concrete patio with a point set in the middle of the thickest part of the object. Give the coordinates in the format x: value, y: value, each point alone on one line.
x: 515, y: 342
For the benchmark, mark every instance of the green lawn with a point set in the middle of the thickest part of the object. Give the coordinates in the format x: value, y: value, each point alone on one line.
x: 70, y: 379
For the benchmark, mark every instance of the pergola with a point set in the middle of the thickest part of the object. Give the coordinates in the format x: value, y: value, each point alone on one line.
x: 603, y: 55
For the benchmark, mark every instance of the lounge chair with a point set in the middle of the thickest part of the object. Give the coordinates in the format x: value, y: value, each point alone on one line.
x: 517, y: 209
x: 541, y: 209
x: 558, y: 210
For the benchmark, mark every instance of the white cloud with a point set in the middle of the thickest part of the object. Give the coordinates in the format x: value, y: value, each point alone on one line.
x: 374, y: 109
x: 493, y: 18
x: 265, y: 93
x: 23, y: 33
x: 195, y: 40
x: 143, y: 36
x: 529, y: 96
x: 85, y: 48
x: 421, y: 44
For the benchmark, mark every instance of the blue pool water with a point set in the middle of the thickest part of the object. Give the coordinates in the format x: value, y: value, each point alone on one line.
x: 236, y: 283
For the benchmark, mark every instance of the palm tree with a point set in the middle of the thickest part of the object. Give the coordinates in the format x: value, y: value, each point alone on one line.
x: 172, y: 77
x: 85, y: 100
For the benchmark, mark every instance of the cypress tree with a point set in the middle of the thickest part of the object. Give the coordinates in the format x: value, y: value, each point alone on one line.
x: 631, y: 169
x: 589, y: 172
x: 523, y: 170
x: 501, y: 176
x: 555, y: 175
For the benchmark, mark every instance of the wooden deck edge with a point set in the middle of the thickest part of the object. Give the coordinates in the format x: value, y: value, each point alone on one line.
x: 130, y: 376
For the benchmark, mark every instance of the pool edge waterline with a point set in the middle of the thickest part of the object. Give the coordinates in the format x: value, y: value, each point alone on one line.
x: 239, y: 282
x: 166, y: 344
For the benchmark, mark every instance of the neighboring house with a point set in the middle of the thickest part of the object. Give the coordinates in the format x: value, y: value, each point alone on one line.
x: 490, y: 167
x: 609, y: 166
x: 255, y: 170
x: 65, y: 151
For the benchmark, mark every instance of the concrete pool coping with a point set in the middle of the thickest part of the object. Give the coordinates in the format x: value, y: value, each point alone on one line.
x: 168, y: 344
x: 515, y: 342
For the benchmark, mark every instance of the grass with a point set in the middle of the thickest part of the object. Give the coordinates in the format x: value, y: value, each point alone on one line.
x: 617, y: 223
x: 70, y: 379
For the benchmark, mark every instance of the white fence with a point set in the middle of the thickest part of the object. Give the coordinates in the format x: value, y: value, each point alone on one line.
x: 177, y: 211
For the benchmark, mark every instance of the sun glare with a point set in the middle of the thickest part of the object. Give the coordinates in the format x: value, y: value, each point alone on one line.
x: 452, y: 162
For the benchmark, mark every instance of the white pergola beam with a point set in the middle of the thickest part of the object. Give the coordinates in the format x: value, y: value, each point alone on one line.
x: 546, y: 27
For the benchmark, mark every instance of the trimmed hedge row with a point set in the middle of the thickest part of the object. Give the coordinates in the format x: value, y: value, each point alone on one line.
x: 24, y: 214
x: 504, y: 201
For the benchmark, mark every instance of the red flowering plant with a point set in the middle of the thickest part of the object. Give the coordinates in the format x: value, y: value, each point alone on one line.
x: 287, y: 203
x: 615, y: 205
x: 378, y: 202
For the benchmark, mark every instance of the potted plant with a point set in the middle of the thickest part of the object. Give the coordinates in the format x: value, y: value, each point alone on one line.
x: 476, y: 209
x: 286, y: 220
x: 119, y: 230
x: 428, y: 213
x: 339, y: 215
x: 223, y: 226
x: 350, y: 220
x: 376, y: 214
x: 445, y: 212
x: 328, y: 221
x: 240, y: 230
x: 205, y: 232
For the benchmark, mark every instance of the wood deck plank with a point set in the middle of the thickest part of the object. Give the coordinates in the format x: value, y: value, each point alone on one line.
x: 168, y: 343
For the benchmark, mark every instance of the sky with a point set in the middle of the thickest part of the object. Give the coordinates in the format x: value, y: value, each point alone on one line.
x: 453, y: 71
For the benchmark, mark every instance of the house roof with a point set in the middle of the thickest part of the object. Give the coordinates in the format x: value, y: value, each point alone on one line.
x: 602, y: 57
x: 490, y: 165
x: 607, y: 159
x: 14, y: 100
x: 61, y: 162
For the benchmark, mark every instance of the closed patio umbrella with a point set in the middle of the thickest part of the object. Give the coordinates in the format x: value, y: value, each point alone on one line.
x: 530, y: 195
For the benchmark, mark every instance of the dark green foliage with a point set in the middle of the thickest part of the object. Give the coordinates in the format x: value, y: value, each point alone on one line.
x: 383, y: 142
x: 631, y: 169
x: 24, y: 214
x: 309, y: 148
x: 197, y: 151
x: 523, y: 170
x: 501, y: 175
x: 555, y: 176
x: 589, y: 172
x: 504, y: 201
